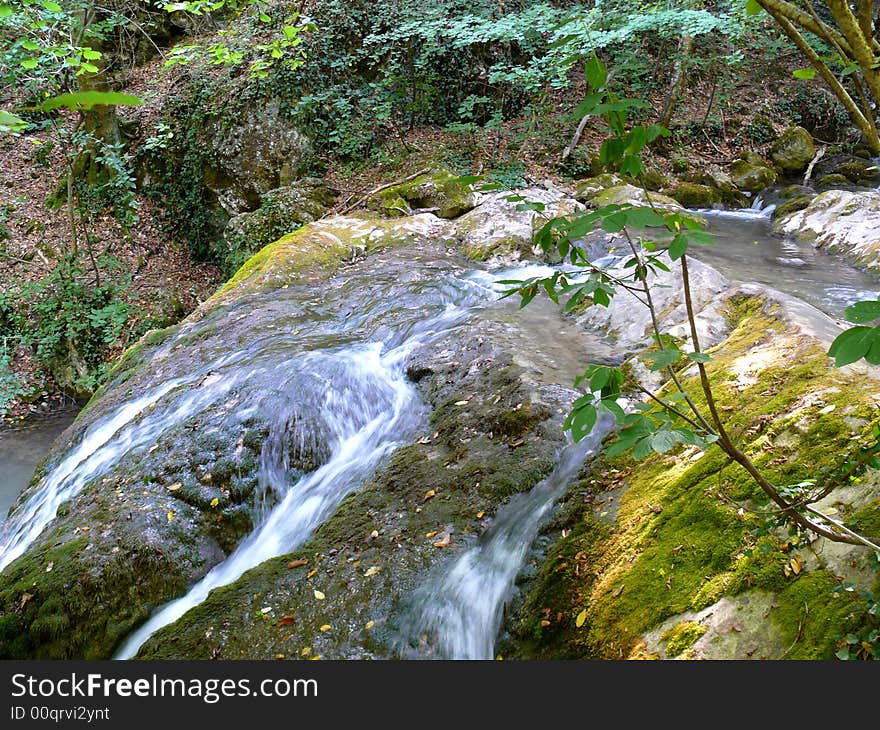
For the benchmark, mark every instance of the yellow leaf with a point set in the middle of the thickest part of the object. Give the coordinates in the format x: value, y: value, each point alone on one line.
x: 306, y: 651
x: 369, y: 625
x: 325, y: 627
x: 430, y: 494
x: 215, y: 502
x: 279, y: 656
x: 371, y: 571
x: 480, y: 515
x: 431, y: 534
x: 311, y: 573
x: 171, y: 515
x: 314, y: 658
x: 174, y: 487
x: 374, y: 534
x: 319, y: 595
x: 581, y: 617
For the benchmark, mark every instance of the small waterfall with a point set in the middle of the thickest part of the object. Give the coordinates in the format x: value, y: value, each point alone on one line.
x: 457, y: 613
x: 131, y: 428
x: 369, y: 409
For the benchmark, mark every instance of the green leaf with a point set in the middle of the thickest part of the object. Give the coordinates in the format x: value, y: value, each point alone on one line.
x: 596, y: 73
x: 10, y: 122
x: 29, y: 63
x: 678, y: 247
x: 862, y: 312
x: 91, y: 54
x: 663, y: 441
x: 804, y: 73
x: 853, y: 344
x: 661, y: 358
x: 50, y: 6
x: 753, y: 7
x: 698, y: 356
x: 265, y: 18
x: 5, y: 11
x: 87, y: 99
x: 643, y: 217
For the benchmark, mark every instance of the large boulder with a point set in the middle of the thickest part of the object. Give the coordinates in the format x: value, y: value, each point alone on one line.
x: 500, y: 226
x: 250, y: 156
x: 793, y: 151
x: 668, y: 558
x: 839, y: 221
x: 751, y: 173
x: 440, y: 192
x: 282, y: 211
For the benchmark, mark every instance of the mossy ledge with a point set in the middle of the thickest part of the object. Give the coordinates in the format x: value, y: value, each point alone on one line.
x: 684, y: 535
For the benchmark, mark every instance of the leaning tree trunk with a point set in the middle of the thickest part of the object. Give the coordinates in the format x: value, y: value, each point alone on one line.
x: 679, y: 76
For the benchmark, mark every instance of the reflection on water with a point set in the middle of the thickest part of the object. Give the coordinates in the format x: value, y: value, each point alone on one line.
x: 21, y: 450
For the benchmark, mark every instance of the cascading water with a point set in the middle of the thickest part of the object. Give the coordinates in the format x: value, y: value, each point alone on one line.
x: 456, y: 613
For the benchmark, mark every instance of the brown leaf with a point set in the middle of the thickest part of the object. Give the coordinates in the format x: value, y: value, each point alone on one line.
x: 286, y: 621
x: 430, y: 494
x: 298, y: 563
x: 444, y: 540
x: 545, y: 623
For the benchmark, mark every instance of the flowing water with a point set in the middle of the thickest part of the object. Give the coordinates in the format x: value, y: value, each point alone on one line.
x: 324, y: 370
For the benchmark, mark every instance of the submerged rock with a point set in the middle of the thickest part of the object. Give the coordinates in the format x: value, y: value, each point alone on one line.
x: 839, y: 221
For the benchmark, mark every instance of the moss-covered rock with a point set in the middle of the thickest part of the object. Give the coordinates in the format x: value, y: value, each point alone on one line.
x: 498, y: 227
x: 680, y: 549
x: 751, y: 176
x: 588, y: 189
x: 723, y: 184
x: 440, y: 192
x: 793, y: 151
x: 792, y: 205
x: 694, y: 195
x: 282, y: 211
x: 832, y: 180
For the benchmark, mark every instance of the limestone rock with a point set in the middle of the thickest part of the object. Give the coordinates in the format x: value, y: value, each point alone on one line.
x: 839, y: 221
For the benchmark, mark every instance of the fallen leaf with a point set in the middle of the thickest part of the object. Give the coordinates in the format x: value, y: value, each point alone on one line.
x: 371, y: 571
x: 319, y: 595
x: 286, y: 621
x: 49, y: 567
x: 374, y: 534
x: 25, y: 597
x: 279, y: 656
x: 312, y: 573
x: 306, y: 651
x: 480, y: 515
x: 430, y: 494
x: 444, y: 540
x: 369, y: 625
x: 545, y: 623
x: 315, y: 658
x: 171, y: 515
x: 215, y: 502
x: 298, y: 563
x: 581, y: 617
x: 462, y: 402
x: 174, y: 487
x: 325, y: 627
x: 429, y: 535
x: 618, y: 591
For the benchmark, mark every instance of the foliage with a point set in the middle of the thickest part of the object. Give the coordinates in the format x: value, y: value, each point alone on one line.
x: 65, y: 310
x: 672, y: 415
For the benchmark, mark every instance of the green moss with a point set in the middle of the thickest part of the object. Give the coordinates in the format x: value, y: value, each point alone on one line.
x: 813, y: 618
x: 680, y: 542
x: 792, y: 205
x: 682, y: 637
x: 693, y: 195
x: 440, y: 190
x: 866, y: 521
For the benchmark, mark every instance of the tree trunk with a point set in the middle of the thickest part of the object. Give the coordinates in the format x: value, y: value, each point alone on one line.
x: 676, y: 86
